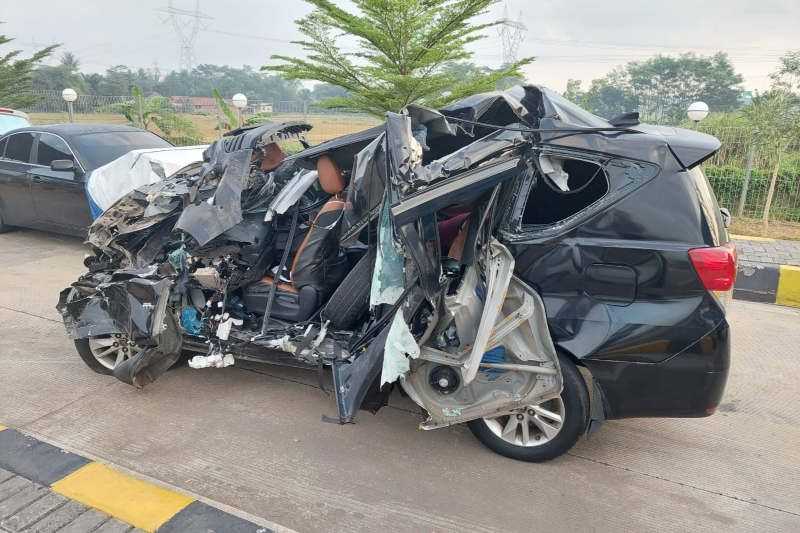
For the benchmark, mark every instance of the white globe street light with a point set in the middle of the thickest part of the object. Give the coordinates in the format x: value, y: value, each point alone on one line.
x: 69, y: 96
x: 239, y: 102
x: 697, y: 111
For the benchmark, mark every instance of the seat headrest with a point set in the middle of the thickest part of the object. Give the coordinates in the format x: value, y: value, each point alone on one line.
x: 273, y: 157
x: 330, y: 177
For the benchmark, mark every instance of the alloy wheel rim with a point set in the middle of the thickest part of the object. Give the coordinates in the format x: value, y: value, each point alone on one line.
x: 111, y: 350
x: 534, y: 425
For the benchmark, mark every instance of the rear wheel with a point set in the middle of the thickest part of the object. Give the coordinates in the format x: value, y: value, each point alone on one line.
x: 542, y: 431
x: 104, y: 352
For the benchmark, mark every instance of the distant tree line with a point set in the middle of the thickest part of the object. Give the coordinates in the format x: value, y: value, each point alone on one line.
x: 200, y: 81
x: 662, y: 86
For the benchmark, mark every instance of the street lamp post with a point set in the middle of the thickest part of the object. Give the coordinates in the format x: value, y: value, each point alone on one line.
x: 239, y: 102
x: 69, y: 96
x: 697, y: 111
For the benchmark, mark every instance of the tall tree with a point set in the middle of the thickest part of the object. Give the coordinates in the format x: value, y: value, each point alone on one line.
x: 403, y: 48
x: 16, y: 73
x: 663, y: 86
x: 574, y: 92
x: 788, y: 74
x: 775, y: 115
x: 671, y: 82
x: 65, y: 74
x: 323, y: 91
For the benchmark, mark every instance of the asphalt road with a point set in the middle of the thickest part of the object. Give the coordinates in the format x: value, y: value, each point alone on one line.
x: 252, y: 437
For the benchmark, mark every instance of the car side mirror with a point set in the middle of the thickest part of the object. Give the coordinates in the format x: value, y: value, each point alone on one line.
x: 62, y: 165
x: 66, y: 165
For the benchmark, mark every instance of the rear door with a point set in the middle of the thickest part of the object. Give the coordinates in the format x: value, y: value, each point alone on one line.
x: 16, y: 204
x: 58, y: 195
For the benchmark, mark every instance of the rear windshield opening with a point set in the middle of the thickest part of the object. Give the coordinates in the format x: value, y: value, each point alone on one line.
x: 563, y: 188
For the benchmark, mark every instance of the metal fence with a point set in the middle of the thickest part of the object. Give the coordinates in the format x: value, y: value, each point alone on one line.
x: 192, y: 120
x: 740, y: 172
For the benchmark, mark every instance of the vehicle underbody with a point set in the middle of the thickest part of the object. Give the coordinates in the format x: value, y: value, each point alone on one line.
x: 374, y: 255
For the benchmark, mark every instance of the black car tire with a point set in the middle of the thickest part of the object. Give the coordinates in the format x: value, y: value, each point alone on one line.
x: 82, y: 346
x: 575, y: 397
x: 350, y: 300
x: 85, y: 352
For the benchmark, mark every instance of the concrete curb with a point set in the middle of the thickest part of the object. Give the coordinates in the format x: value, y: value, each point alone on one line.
x: 768, y: 283
x: 129, y: 499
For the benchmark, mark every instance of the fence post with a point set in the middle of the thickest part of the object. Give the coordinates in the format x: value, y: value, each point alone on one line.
x: 140, y: 111
x: 771, y: 191
x: 748, y: 170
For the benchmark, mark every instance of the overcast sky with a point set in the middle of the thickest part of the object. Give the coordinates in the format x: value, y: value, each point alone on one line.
x: 580, y: 39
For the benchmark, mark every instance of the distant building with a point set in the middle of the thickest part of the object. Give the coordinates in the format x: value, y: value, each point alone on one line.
x: 262, y: 107
x: 206, y: 104
x: 195, y: 104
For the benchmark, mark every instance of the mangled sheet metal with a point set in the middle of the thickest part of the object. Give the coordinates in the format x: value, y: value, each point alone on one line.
x: 211, y: 218
x: 410, y: 283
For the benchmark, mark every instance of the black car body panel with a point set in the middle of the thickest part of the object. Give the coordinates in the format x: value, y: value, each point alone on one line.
x: 33, y: 194
x: 585, y: 226
x: 623, y: 298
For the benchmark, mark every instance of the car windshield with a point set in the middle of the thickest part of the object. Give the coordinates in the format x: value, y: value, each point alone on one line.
x: 99, y: 148
x: 12, y: 122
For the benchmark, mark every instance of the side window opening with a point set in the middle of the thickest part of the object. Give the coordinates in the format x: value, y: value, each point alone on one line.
x: 562, y: 188
x: 19, y: 147
x: 52, y: 148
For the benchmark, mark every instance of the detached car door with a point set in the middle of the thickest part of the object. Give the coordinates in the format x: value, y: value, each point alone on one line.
x: 59, y: 196
x: 16, y: 204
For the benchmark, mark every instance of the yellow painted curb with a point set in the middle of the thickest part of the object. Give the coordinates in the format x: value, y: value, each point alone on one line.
x: 751, y: 238
x: 788, y: 286
x: 131, y: 500
x: 2, y: 427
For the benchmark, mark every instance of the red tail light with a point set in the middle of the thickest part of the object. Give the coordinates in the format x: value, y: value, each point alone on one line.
x: 716, y: 267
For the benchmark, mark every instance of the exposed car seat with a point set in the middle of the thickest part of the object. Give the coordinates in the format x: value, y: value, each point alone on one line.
x: 318, y: 265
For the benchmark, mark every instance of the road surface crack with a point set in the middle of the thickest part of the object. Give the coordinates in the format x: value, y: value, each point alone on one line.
x: 682, y: 484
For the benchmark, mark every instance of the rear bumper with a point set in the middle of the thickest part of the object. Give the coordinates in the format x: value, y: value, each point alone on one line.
x: 689, y: 384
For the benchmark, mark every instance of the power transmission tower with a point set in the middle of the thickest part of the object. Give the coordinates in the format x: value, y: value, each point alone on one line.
x: 187, y: 25
x: 512, y: 33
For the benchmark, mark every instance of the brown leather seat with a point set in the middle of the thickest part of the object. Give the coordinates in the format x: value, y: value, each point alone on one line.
x: 318, y: 266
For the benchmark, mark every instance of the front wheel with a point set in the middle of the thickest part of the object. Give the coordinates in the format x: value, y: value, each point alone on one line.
x: 104, y: 352
x: 543, y: 431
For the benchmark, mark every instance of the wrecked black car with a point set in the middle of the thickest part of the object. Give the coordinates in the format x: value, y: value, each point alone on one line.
x: 477, y: 256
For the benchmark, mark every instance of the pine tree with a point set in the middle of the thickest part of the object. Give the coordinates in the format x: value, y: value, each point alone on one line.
x: 15, y: 75
x: 404, y: 48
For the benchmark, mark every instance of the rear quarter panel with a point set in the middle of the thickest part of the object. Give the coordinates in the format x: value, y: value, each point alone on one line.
x: 667, y: 311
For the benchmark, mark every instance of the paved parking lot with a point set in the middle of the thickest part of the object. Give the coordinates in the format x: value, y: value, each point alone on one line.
x: 252, y: 438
